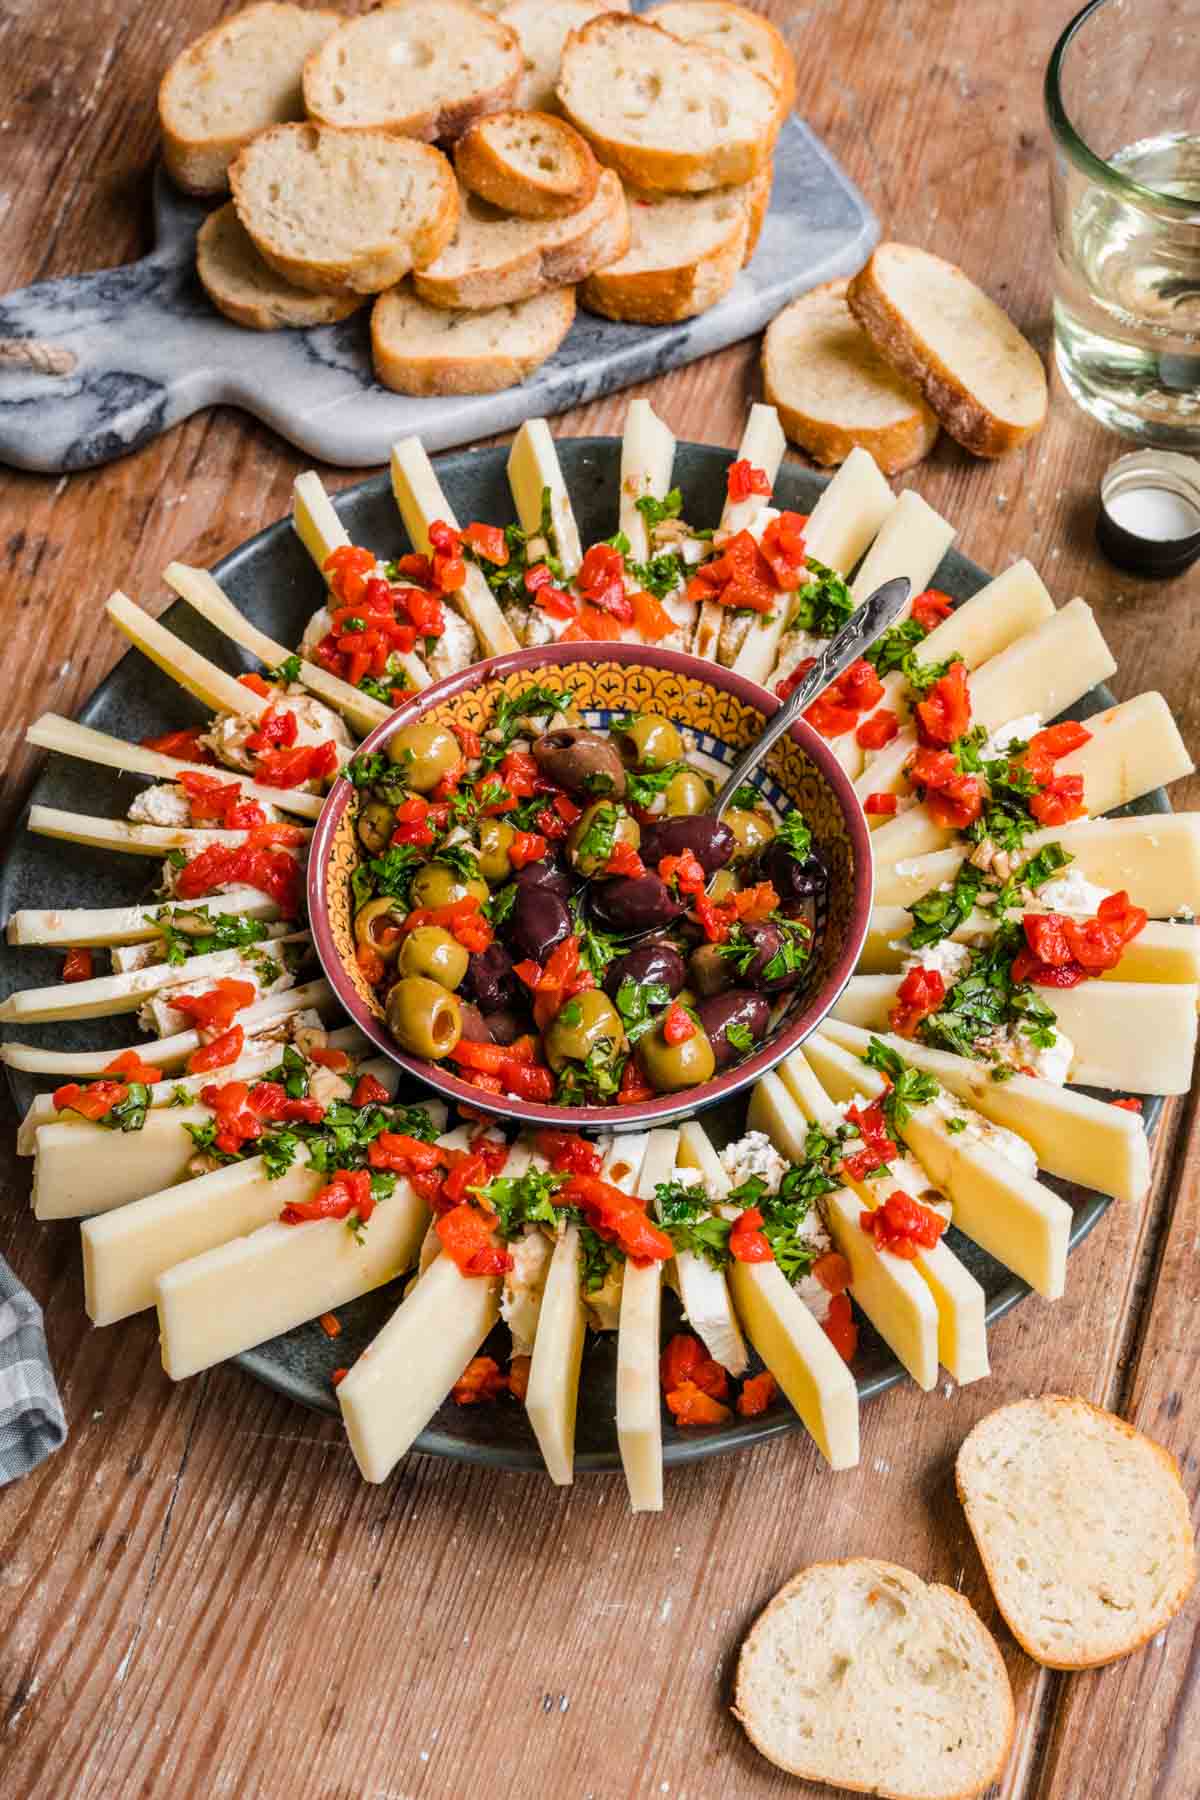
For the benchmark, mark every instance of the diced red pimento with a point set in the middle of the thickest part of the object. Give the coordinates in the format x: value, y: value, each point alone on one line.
x: 878, y: 1147
x: 757, y: 1395
x: 77, y: 964
x: 878, y: 729
x: 902, y: 1225
x: 747, y: 1240
x: 920, y: 993
x: 617, y: 1217
x: 782, y: 545
x: 840, y: 1327
x: 739, y: 577
x: 744, y: 480
x: 1061, y: 951
x: 881, y: 806
x: 219, y: 1053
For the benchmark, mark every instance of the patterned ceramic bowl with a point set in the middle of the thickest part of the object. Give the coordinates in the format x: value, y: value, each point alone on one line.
x: 718, y: 713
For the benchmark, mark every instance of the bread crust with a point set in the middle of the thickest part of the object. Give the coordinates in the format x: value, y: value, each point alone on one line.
x: 742, y: 1707
x: 964, y: 416
x: 409, y: 371
x: 1056, y: 1402
x: 782, y: 74
x: 273, y: 310
x: 664, y: 296
x: 482, y: 166
x: 760, y: 205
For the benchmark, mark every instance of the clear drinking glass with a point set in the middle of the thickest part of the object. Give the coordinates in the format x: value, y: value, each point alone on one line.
x: 1123, y: 99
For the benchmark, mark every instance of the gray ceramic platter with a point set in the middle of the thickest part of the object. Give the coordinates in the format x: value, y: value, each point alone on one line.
x: 272, y: 580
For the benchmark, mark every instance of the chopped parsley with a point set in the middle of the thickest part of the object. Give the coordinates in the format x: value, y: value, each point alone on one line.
x: 287, y: 672
x: 824, y: 604
x: 596, y: 1258
x: 739, y: 1035
x: 500, y: 905
x: 985, y: 1001
x: 909, y: 1086
x: 225, y: 931
x: 637, y: 1002
x: 655, y: 511
x: 1033, y: 875
x: 921, y: 676
x: 520, y: 1200
x: 383, y: 687
x: 794, y: 835
x: 661, y: 575
x: 594, y: 1082
x: 129, y: 1114
x: 746, y: 798
x: 891, y: 651
x: 596, y: 844
x: 741, y: 949
x: 507, y: 579
x: 938, y: 915
x: 512, y: 713
x: 642, y: 786
x: 390, y: 874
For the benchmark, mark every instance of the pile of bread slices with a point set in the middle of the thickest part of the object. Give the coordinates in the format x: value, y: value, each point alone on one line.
x: 476, y: 172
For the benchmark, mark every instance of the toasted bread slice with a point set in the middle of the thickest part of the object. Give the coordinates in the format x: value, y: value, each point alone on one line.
x: 248, y: 291
x: 543, y: 27
x: 1083, y: 1526
x: 421, y: 68
x: 862, y: 1675
x: 684, y: 254
x: 231, y: 84
x: 984, y: 381
x: 421, y: 349
x: 528, y: 163
x: 833, y: 390
x: 759, y: 194
x: 669, y: 117
x: 738, y: 33
x: 495, y: 260
x: 330, y: 210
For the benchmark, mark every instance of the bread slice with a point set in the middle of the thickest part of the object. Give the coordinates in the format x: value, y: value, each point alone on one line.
x: 420, y: 349
x: 421, y: 68
x: 543, y: 27
x: 984, y: 381
x: 232, y: 83
x: 684, y: 254
x: 758, y: 192
x: 861, y: 1675
x: 495, y: 260
x: 528, y: 163
x: 1083, y: 1526
x: 738, y: 33
x: 833, y: 390
x: 248, y: 291
x: 330, y: 210
x: 669, y: 117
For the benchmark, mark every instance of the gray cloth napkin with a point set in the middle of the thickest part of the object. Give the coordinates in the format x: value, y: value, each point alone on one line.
x: 32, y: 1424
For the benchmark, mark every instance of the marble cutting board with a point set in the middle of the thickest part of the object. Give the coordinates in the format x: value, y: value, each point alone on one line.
x: 144, y: 347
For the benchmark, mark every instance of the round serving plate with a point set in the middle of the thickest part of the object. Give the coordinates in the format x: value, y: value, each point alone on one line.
x: 272, y: 580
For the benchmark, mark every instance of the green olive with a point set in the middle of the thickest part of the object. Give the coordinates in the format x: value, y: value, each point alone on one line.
x: 606, y: 825
x: 436, y: 884
x: 723, y: 883
x: 668, y: 1067
x: 650, y: 742
x: 751, y: 830
x: 423, y: 1017
x: 370, y: 928
x: 433, y: 952
x: 425, y: 752
x: 580, y: 1026
x: 687, y: 793
x: 494, y: 840
x: 376, y: 823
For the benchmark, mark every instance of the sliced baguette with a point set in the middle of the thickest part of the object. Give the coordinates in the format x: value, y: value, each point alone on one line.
x: 495, y: 260
x: 834, y: 391
x: 528, y: 163
x: 669, y: 117
x: 543, y: 27
x: 984, y: 381
x: 421, y: 349
x: 1083, y: 1527
x: 232, y: 83
x: 421, y: 68
x: 738, y: 33
x: 248, y: 291
x: 864, y: 1676
x: 684, y: 254
x: 331, y: 210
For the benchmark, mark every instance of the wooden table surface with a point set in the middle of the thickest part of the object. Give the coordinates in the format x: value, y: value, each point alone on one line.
x: 198, y: 1596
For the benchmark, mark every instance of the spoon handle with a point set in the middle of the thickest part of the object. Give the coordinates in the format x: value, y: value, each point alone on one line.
x: 861, y: 629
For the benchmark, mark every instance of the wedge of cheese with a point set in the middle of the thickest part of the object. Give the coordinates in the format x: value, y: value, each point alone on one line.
x: 703, y: 1289
x: 912, y: 541
x: 1131, y: 1036
x: 315, y: 522
x: 108, y: 926
x: 130, y: 839
x: 534, y: 468
x: 422, y: 503
x: 108, y: 996
x: 80, y: 1169
x: 763, y: 446
x: 639, y: 1407
x: 801, y: 1358
x: 210, y: 685
x: 1073, y: 1136
x: 647, y: 458
x: 996, y: 1203
x: 1160, y: 952
x: 552, y: 1396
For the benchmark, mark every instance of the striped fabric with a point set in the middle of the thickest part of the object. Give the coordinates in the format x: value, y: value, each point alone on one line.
x: 32, y: 1425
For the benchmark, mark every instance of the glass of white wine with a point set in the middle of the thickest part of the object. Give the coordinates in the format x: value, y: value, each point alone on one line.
x: 1123, y: 99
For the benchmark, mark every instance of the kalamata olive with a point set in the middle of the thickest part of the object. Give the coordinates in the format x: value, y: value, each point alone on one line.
x: 768, y: 941
x: 538, y: 921
x: 708, y: 971
x: 475, y: 1027
x: 710, y: 841
x: 545, y: 874
x: 792, y: 880
x: 582, y: 761
x: 739, y: 1007
x: 506, y: 1025
x: 635, y: 903
x: 646, y: 963
x: 489, y: 980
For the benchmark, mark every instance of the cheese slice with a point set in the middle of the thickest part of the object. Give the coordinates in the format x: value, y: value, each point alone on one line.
x: 1045, y: 671
x: 533, y: 467
x: 912, y: 541
x: 1160, y: 952
x: 801, y: 1358
x: 422, y: 503
x: 647, y: 458
x: 81, y: 1169
x: 763, y: 445
x: 1008, y: 1212
x: 405, y: 1373
x: 108, y: 926
x: 210, y: 685
x: 703, y: 1289
x: 108, y: 996
x: 639, y: 1408
x: 552, y: 1396
x: 889, y: 1290
x: 314, y: 519
x: 772, y: 1109
x: 1073, y: 1136
x: 205, y: 596
x: 134, y: 840
x: 69, y: 738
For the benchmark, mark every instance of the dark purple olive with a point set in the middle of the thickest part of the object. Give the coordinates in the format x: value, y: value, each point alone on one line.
x: 792, y: 880
x: 635, y: 903
x: 738, y: 1007
x: 539, y: 920
x: 582, y: 761
x: 710, y: 841
x: 767, y: 939
x: 708, y: 971
x: 489, y: 980
x: 507, y: 1024
x: 474, y: 1025
x: 646, y: 963
x: 543, y: 874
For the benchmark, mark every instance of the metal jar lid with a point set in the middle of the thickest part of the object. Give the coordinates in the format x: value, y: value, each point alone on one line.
x: 1149, y: 519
